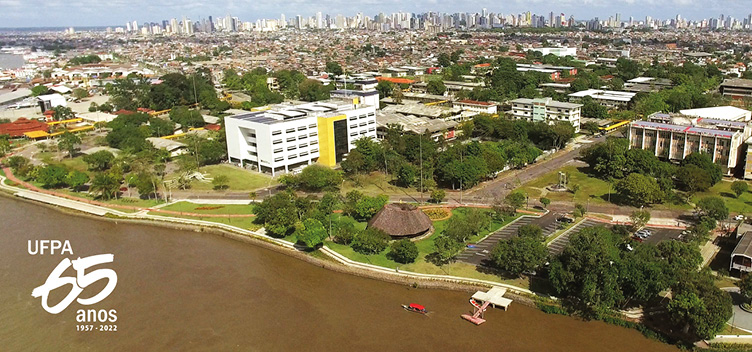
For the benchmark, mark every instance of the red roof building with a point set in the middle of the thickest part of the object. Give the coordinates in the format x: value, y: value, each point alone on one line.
x: 395, y: 80
x: 17, y: 128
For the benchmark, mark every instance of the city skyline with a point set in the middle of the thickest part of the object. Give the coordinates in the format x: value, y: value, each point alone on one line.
x: 86, y: 13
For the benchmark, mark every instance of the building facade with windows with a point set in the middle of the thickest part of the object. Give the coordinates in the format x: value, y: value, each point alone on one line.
x: 288, y: 136
x: 673, y: 138
x: 547, y: 109
x: 608, y: 98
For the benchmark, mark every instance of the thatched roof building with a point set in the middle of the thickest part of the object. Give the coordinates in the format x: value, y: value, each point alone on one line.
x: 401, y: 220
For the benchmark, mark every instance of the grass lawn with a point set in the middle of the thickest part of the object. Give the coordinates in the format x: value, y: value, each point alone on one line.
x: 243, y: 223
x: 590, y: 188
x: 742, y: 205
x: 426, y: 247
x: 377, y: 183
x: 210, y: 208
x: 730, y: 330
x: 239, y: 179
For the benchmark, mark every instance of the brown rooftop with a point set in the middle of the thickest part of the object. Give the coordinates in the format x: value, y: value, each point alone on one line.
x: 401, y: 220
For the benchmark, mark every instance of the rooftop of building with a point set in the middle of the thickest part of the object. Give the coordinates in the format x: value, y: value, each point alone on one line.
x: 422, y: 110
x: 719, y: 112
x: 552, y: 103
x: 744, y: 247
x: 349, y: 92
x: 286, y: 112
x: 684, y: 129
x: 605, y: 94
x: 737, y: 82
x: 474, y: 102
x: 412, y: 123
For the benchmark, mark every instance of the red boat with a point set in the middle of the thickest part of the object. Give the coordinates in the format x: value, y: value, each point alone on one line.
x: 417, y: 308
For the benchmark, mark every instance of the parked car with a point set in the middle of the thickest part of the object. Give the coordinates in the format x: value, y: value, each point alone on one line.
x: 565, y: 219
x: 739, y: 217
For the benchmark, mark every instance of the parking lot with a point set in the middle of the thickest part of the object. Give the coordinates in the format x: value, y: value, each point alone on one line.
x: 661, y: 234
x: 480, y: 251
x: 557, y: 246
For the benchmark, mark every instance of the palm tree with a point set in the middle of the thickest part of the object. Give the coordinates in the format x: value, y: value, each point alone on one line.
x: 105, y: 185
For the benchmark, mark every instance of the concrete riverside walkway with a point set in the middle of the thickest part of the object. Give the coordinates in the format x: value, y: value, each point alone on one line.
x: 35, y: 189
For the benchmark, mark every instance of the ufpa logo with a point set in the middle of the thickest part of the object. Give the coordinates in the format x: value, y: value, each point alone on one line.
x: 78, y: 283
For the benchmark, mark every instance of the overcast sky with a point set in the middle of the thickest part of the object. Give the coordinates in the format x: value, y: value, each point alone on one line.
x: 52, y: 13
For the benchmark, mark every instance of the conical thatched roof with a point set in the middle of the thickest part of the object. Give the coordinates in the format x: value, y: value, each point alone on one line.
x: 401, y: 220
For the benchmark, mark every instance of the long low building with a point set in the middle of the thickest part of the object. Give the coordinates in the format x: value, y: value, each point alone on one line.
x: 287, y: 136
x: 415, y: 124
x: 608, y: 98
x: 674, y: 142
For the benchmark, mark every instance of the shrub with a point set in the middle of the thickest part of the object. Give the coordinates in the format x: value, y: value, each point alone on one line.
x: 404, y: 251
x: 370, y: 241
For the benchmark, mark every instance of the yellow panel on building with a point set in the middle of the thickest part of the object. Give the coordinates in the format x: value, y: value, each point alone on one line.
x: 327, y: 155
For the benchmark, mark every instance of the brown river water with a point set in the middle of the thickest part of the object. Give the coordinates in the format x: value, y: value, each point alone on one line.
x: 189, y: 291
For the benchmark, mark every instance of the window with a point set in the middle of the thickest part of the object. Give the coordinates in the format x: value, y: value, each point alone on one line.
x: 353, y: 126
x: 279, y: 159
x: 292, y: 157
x: 362, y: 124
x: 314, y: 151
x: 292, y: 148
x: 352, y: 118
x: 302, y: 137
x: 252, y: 144
x: 252, y: 153
x: 274, y: 133
x: 251, y: 135
x: 303, y: 153
x: 291, y: 139
x: 371, y: 129
x: 371, y: 122
x: 303, y: 145
x: 313, y: 134
x: 302, y: 128
x: 314, y: 142
x: 278, y: 150
x: 371, y: 114
x: 290, y: 130
x: 363, y: 132
x: 313, y: 125
x: 353, y: 133
x: 278, y: 141
x: 362, y: 116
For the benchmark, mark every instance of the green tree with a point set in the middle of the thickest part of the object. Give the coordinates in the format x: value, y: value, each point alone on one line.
x: 316, y: 178
x: 519, y: 254
x: 587, y: 272
x: 52, y: 176
x: 532, y: 231
x: 39, y: 90
x: 639, y: 218
x: 516, y: 199
x: 438, y: 195
x: 62, y: 113
x: 444, y: 60
x: 80, y: 93
x: 385, y: 89
x: 334, y: 68
x: 404, y: 251
x: 69, y: 142
x: 639, y: 190
x: 692, y: 178
x: 545, y: 202
x: 345, y: 230
x: 186, y: 117
x: 100, y: 160
x: 739, y: 188
x: 458, y: 229
x: 745, y: 286
x: 278, y: 213
x: 699, y: 307
x: 313, y: 90
x: 76, y: 179
x: 5, y: 147
x: 370, y: 241
x: 407, y: 174
x: 713, y: 207
x: 311, y: 233
x: 221, y: 182
x: 435, y: 87
x: 105, y: 185
x: 705, y: 162
x: 446, y: 248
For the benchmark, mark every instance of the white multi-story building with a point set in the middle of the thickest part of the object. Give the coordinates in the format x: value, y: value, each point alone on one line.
x: 609, y: 98
x: 546, y: 109
x: 287, y: 136
x: 481, y: 107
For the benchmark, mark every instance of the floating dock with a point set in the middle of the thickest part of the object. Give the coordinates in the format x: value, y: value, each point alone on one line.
x: 494, y: 297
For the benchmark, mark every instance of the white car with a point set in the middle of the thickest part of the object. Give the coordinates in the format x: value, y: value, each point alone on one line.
x: 739, y: 217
